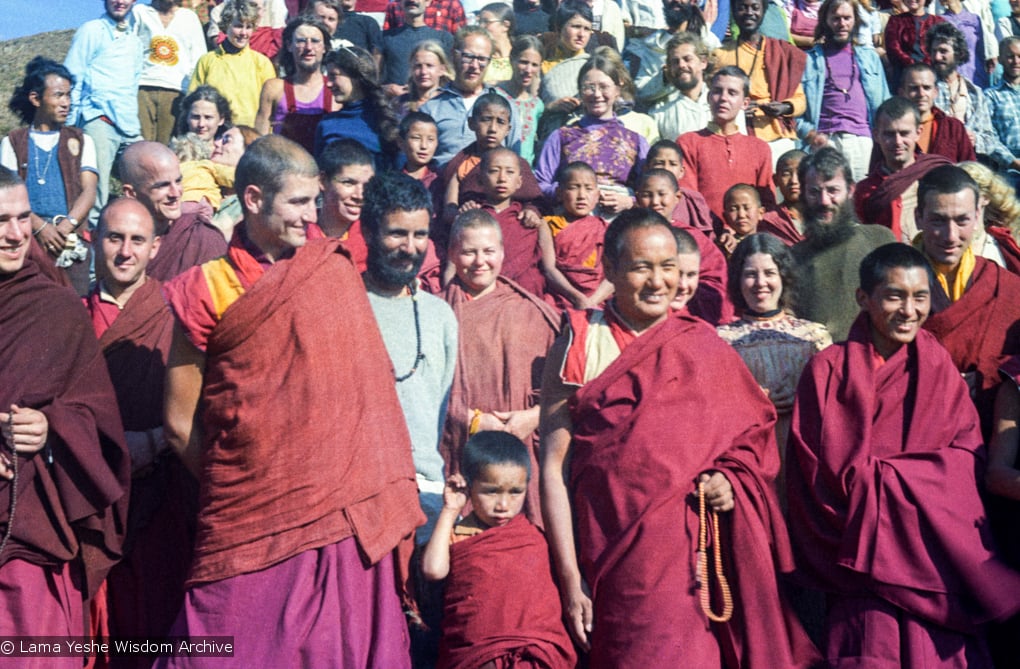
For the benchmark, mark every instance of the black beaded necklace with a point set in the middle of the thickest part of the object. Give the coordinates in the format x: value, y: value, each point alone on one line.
x: 419, y: 356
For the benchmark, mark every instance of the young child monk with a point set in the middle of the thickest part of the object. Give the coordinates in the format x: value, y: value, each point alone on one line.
x: 571, y: 243
x: 501, y: 181
x: 502, y: 607
x: 691, y: 210
x: 786, y: 220
x: 490, y: 121
x: 742, y: 211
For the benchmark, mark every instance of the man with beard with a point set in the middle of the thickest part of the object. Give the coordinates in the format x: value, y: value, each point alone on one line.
x: 889, y: 195
x: 1004, y: 108
x: 775, y: 68
x: 939, y: 134
x: 957, y: 96
x: 647, y: 55
x: 834, y: 242
x: 419, y: 329
x: 280, y: 400
x: 292, y: 106
x: 843, y: 86
x: 681, y: 99
x: 152, y: 175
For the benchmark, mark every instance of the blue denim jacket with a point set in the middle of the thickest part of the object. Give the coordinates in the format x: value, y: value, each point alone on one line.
x: 876, y: 90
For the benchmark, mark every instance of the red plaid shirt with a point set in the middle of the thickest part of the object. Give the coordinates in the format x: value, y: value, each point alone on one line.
x: 445, y: 15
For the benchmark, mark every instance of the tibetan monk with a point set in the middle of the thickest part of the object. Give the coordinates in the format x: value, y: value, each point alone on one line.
x: 504, y: 334
x: 975, y: 303
x: 152, y: 175
x: 642, y: 407
x: 62, y: 452
x: 882, y: 466
x: 134, y: 326
x: 297, y: 518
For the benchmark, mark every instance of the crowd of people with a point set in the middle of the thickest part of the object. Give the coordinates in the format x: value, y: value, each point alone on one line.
x: 441, y: 333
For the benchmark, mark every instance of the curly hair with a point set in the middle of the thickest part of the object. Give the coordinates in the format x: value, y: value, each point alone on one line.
x: 37, y: 72
x: 286, y: 57
x: 245, y: 11
x: 762, y: 242
x: 947, y: 32
x: 359, y: 65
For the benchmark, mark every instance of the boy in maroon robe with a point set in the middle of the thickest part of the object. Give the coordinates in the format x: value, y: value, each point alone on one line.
x: 62, y: 453
x: 501, y: 177
x: 658, y: 191
x: 572, y: 243
x: 885, y: 511
x: 786, y: 220
x: 502, y: 608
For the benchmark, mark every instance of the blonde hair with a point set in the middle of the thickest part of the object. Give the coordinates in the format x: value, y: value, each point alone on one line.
x: 244, y: 12
x: 430, y: 46
x: 190, y: 147
x: 1003, y: 207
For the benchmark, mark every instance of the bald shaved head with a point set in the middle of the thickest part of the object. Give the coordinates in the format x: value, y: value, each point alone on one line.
x: 125, y: 243
x: 151, y: 174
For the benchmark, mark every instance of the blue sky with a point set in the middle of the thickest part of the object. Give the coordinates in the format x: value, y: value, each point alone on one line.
x: 28, y: 17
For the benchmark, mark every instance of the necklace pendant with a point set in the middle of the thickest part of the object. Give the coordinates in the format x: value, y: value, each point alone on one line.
x: 41, y: 181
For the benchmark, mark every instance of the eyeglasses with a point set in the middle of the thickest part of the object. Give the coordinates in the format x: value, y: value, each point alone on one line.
x: 604, y: 89
x: 485, y: 22
x: 470, y: 57
x: 302, y: 41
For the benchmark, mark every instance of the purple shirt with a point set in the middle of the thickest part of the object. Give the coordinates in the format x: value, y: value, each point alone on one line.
x: 843, y: 111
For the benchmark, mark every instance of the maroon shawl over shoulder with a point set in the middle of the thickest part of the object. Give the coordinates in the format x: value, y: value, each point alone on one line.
x: 879, y: 510
x: 677, y: 402
x: 145, y: 590
x: 302, y: 447
x: 502, y: 341
x: 980, y: 330
x: 191, y: 241
x: 875, y: 196
x: 692, y: 212
x: 522, y: 255
x: 710, y: 302
x: 779, y: 224
x: 1007, y: 246
x: 501, y: 599
x: 575, y: 244
x: 76, y: 505
x: 784, y: 70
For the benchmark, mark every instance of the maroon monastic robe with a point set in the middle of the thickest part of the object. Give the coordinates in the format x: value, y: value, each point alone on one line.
x: 501, y: 602
x: 980, y: 330
x: 577, y: 244
x: 711, y: 303
x: 877, y: 198
x: 692, y: 211
x: 885, y: 510
x: 502, y: 341
x: 779, y: 224
x: 678, y: 402
x: 275, y: 484
x: 191, y: 241
x: 1007, y: 246
x: 72, y: 495
x: 146, y: 589
x: 522, y: 256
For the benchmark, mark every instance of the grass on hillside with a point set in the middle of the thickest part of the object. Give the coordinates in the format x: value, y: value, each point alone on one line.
x: 14, y: 55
